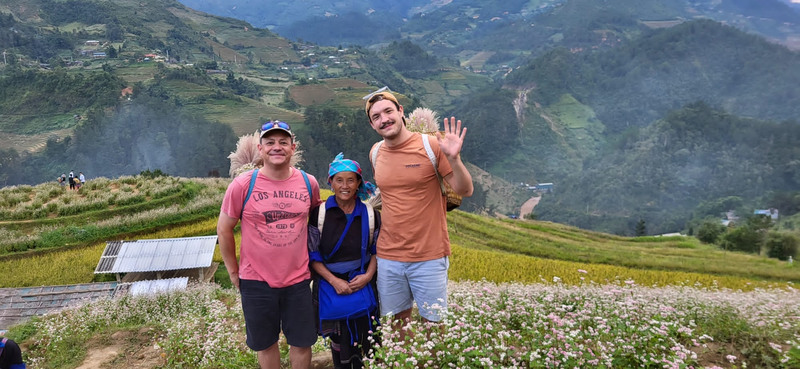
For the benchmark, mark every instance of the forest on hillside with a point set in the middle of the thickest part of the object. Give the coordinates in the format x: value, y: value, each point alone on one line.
x: 664, y: 172
x: 637, y: 83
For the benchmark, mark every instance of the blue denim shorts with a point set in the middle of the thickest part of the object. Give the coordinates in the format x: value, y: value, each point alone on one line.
x: 400, y: 284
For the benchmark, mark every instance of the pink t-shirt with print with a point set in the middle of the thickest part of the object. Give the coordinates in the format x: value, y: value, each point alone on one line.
x: 274, y: 227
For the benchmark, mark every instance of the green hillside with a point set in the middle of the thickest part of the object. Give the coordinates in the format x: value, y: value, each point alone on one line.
x: 640, y: 81
x: 579, y: 117
x: 694, y: 155
x: 136, y: 28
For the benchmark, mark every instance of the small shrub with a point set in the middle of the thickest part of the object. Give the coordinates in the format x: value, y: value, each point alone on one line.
x: 782, y: 245
x: 128, y: 180
x: 153, y: 174
x: 101, y: 183
x: 710, y: 231
x: 54, y: 238
x: 742, y: 238
x: 135, y: 199
x: 40, y: 213
x: 10, y: 200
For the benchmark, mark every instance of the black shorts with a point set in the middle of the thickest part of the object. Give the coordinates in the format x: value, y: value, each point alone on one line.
x: 267, y: 310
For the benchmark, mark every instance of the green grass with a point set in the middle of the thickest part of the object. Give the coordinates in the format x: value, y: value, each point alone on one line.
x: 534, y: 239
x: 572, y: 113
x: 81, y: 227
x: 556, y: 241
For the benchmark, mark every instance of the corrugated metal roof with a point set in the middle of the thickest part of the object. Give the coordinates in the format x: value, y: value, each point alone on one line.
x: 157, y: 255
x: 19, y: 304
x: 152, y: 286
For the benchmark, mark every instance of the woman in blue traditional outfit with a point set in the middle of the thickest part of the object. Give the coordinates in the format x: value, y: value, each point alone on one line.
x: 344, y: 261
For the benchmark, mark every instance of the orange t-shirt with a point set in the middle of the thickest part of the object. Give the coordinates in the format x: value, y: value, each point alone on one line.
x: 414, y: 211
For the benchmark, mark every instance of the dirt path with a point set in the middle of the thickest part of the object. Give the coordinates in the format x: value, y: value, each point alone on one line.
x: 134, y: 350
x: 99, y: 356
x: 528, y: 206
x: 128, y: 350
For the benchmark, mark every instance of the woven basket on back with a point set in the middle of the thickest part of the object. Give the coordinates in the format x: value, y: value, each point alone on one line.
x: 453, y: 199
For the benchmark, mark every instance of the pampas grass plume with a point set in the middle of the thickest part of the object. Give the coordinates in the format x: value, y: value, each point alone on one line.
x: 247, y: 157
x: 246, y: 154
x: 423, y: 120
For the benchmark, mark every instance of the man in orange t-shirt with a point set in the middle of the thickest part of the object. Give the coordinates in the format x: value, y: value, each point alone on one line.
x: 414, y: 247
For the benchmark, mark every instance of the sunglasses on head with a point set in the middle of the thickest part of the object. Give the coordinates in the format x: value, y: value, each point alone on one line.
x: 375, y: 99
x: 376, y: 93
x: 270, y: 125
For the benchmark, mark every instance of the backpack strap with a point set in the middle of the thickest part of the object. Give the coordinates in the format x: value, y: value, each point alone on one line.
x: 308, y: 185
x: 253, y: 177
x: 253, y: 184
x: 374, y: 154
x: 371, y: 220
x: 432, y: 156
x: 321, y: 217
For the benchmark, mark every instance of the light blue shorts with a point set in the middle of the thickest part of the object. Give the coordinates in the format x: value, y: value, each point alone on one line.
x: 400, y: 284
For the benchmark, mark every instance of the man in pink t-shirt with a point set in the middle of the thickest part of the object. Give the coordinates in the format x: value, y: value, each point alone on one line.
x: 272, y: 273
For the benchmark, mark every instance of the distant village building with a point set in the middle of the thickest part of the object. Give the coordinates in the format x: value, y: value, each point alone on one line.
x: 730, y: 217
x: 545, y: 187
x: 155, y: 57
x: 92, y: 43
x: 771, y: 212
x: 541, y: 187
x: 98, y: 55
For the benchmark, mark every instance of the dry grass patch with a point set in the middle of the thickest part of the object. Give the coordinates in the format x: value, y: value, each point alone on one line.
x: 311, y: 94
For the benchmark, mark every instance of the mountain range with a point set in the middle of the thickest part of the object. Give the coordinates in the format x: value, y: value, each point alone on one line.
x: 635, y: 110
x: 509, y: 31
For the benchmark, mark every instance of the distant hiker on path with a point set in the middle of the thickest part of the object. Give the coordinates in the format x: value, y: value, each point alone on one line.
x: 345, y: 263
x: 414, y: 246
x: 63, y: 180
x: 81, y: 180
x: 272, y: 274
x: 71, y: 180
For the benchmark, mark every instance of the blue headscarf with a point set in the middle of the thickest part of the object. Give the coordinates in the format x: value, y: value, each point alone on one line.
x: 340, y: 164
